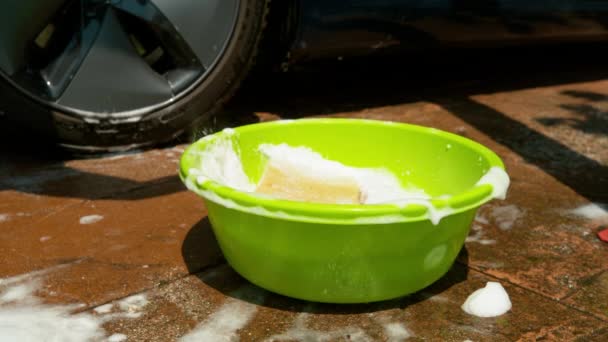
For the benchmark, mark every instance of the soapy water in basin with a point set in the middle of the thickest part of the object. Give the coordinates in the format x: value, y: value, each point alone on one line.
x: 220, y: 162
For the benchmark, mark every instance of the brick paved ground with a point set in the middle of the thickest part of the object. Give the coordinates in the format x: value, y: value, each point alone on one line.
x: 122, y: 230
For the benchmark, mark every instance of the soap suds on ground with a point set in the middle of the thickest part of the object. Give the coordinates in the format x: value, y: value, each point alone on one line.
x: 234, y: 314
x: 481, y: 219
x: 19, y: 292
x: 489, y: 301
x: 129, y: 307
x: 117, y: 338
x: 25, y: 317
x: 396, y: 332
x: 506, y: 216
x: 299, y: 331
x: 90, y: 219
x: 477, y: 236
x: 4, y: 217
x: 434, y: 297
x: 104, y: 309
x: 591, y: 211
x: 133, y: 303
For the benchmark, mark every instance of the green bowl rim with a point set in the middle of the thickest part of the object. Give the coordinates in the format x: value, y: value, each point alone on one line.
x: 466, y: 200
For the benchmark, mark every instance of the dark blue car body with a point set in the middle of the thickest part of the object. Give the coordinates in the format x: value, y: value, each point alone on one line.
x: 330, y: 28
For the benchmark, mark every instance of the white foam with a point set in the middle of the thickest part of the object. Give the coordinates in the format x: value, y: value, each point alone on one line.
x: 224, y: 324
x: 90, y: 219
x: 45, y: 238
x: 300, y: 332
x: 228, y: 131
x: 490, y: 301
x: 304, y: 161
x: 591, y: 211
x: 20, y: 292
x: 104, y: 309
x: 220, y: 162
x: 478, y: 236
x: 381, y: 186
x: 506, y: 216
x: 396, y: 332
x: 47, y: 323
x: 4, y: 217
x: 498, y: 179
x: 133, y: 303
x: 481, y: 219
x: 117, y: 338
x: 23, y: 317
x: 435, y: 214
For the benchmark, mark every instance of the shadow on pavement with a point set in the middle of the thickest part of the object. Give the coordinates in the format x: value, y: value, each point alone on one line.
x: 552, y: 156
x: 329, y: 87
x: 34, y: 166
x: 28, y: 164
x: 200, y: 249
x: 589, y: 118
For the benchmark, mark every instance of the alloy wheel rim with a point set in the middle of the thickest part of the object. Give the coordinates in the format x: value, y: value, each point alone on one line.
x: 113, y: 58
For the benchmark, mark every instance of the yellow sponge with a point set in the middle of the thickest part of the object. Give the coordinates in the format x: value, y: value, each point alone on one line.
x: 291, y: 184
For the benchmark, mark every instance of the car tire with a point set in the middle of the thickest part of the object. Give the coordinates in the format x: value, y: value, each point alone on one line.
x: 106, y: 131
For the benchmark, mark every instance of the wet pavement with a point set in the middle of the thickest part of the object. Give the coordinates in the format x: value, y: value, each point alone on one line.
x: 117, y: 242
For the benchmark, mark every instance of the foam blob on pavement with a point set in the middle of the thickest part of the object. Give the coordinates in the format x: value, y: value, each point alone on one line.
x: 90, y: 219
x: 490, y: 301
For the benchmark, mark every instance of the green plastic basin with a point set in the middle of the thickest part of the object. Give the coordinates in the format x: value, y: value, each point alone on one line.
x: 347, y: 253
